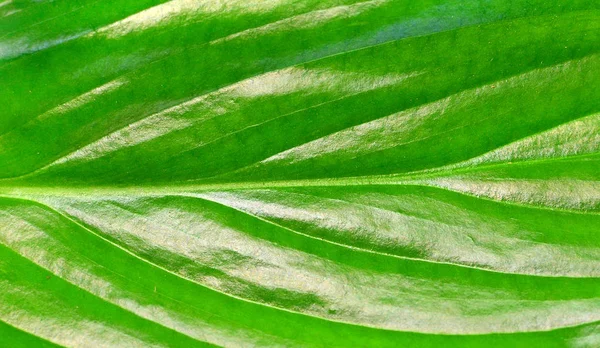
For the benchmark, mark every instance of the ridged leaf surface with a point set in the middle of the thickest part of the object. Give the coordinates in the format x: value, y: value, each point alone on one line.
x: 300, y: 173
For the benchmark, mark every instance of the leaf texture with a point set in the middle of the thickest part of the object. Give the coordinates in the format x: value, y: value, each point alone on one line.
x: 300, y: 173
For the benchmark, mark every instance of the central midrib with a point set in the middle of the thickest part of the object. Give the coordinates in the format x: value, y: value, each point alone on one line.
x: 175, y: 188
x: 11, y: 187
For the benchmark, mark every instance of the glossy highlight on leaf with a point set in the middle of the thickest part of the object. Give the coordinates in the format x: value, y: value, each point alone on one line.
x: 347, y: 173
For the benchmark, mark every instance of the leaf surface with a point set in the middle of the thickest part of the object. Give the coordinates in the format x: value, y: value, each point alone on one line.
x: 314, y: 173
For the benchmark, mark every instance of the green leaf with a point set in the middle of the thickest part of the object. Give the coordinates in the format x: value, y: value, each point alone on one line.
x: 300, y: 173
